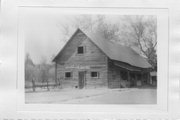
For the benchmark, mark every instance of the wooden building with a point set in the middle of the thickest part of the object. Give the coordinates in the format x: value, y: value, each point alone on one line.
x: 90, y: 61
x: 153, y: 78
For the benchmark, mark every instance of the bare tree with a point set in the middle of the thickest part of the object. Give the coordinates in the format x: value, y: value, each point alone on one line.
x: 30, y: 71
x: 44, y: 67
x: 138, y: 32
x: 88, y: 23
x: 142, y: 29
x: 85, y: 22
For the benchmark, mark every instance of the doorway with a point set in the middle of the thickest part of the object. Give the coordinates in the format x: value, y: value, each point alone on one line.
x: 82, y: 77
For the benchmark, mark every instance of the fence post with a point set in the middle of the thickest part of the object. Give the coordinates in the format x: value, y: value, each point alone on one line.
x: 33, y: 85
x: 47, y: 85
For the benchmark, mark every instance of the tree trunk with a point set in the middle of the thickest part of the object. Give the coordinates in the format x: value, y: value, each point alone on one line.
x: 33, y: 85
x: 47, y: 85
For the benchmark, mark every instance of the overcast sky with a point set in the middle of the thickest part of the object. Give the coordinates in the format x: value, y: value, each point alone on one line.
x: 41, y: 30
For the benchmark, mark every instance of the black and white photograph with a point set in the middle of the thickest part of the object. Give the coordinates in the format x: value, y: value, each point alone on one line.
x: 89, y: 58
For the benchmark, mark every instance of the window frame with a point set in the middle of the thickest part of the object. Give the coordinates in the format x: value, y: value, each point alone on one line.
x: 71, y: 75
x: 83, y: 48
x: 98, y: 74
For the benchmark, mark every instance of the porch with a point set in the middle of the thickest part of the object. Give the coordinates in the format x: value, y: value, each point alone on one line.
x: 122, y: 75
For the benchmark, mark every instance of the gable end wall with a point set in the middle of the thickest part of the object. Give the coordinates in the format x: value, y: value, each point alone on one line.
x: 92, y: 60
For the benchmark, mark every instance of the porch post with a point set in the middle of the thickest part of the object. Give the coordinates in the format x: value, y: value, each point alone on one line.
x: 148, y: 77
x: 141, y: 78
x: 56, y: 73
x: 128, y: 76
x: 135, y: 78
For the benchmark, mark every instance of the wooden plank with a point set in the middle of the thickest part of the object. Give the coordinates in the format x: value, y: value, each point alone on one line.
x: 92, y: 60
x: 128, y: 76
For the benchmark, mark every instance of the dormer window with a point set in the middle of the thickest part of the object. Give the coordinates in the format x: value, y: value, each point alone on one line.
x: 80, y: 50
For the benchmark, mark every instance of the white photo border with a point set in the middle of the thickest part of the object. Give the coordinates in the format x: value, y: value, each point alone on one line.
x: 162, y: 52
x: 11, y: 104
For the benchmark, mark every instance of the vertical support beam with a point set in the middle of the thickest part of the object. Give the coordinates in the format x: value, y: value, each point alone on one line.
x: 128, y: 78
x: 56, y: 73
x: 119, y: 78
x: 85, y: 79
x: 150, y: 80
x: 148, y: 77
x: 135, y: 78
x: 128, y: 75
x: 107, y: 72
x: 142, y: 78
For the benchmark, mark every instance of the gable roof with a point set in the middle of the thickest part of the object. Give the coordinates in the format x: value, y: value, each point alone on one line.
x: 114, y: 51
x: 66, y: 44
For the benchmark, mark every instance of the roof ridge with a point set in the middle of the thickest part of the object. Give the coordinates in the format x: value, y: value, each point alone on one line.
x: 113, y: 51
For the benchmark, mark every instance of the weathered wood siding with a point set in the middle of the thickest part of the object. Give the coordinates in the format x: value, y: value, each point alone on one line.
x: 114, y: 77
x: 133, y: 74
x: 92, y: 60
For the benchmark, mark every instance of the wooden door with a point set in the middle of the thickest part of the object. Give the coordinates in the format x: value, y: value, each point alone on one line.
x: 81, y: 79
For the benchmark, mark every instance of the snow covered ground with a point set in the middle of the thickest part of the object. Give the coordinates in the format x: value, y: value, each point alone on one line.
x: 94, y: 96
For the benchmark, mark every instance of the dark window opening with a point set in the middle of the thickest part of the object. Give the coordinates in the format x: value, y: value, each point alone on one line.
x: 123, y: 75
x: 80, y: 50
x: 95, y: 74
x: 68, y: 74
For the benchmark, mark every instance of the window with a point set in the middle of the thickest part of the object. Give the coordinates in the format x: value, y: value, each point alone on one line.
x: 80, y: 50
x: 68, y: 74
x: 95, y: 74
